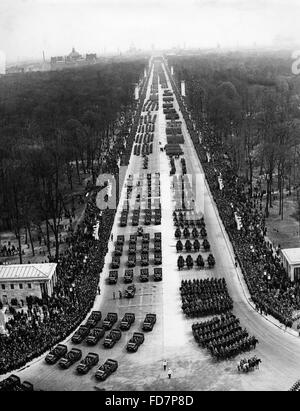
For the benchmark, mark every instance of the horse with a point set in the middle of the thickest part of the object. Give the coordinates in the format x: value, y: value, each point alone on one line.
x: 249, y: 365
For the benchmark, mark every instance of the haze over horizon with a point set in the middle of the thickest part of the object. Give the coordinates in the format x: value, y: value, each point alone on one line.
x: 27, y: 27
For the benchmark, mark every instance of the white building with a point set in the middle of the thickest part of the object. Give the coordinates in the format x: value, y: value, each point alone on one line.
x: 24, y: 280
x: 291, y: 262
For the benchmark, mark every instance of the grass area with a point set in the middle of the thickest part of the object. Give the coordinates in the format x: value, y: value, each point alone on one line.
x: 284, y: 232
x: 41, y: 251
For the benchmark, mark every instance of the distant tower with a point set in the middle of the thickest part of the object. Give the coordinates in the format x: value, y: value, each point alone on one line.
x: 2, y: 63
x: 136, y: 92
x: 44, y: 60
x: 172, y: 70
x: 183, y: 88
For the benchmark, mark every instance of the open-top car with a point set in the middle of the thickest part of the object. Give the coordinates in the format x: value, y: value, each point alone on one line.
x: 106, y: 369
x: 87, y: 363
x: 130, y: 291
x: 70, y: 358
x: 56, y: 353
x: 127, y: 321
x: 93, y: 319
x: 80, y: 334
x: 149, y: 322
x: 95, y: 335
x: 111, y: 339
x: 135, y: 341
x: 110, y: 320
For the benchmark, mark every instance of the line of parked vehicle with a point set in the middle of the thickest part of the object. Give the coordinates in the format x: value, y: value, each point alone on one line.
x: 92, y: 334
x: 144, y: 276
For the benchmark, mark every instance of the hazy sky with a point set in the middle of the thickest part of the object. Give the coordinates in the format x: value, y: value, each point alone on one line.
x: 27, y: 27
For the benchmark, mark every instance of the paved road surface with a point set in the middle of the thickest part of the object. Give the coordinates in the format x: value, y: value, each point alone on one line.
x: 193, y: 368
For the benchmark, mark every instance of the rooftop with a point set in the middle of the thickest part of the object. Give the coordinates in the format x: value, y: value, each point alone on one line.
x: 27, y: 271
x: 292, y: 255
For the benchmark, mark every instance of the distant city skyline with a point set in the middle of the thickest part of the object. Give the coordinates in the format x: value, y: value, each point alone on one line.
x: 29, y: 27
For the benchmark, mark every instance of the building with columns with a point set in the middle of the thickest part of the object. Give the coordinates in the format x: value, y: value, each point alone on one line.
x: 18, y: 281
x: 290, y: 258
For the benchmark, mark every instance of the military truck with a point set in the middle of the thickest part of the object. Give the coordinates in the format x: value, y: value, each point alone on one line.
x: 111, y: 339
x: 106, y: 369
x: 127, y: 321
x: 87, y: 363
x: 95, y: 335
x: 70, y: 358
x: 144, y: 275
x: 149, y: 322
x: 132, y: 248
x: 128, y: 276
x: 157, y: 258
x: 115, y: 263
x: 121, y: 239
x: 10, y: 383
x: 131, y: 260
x: 157, y: 274
x: 145, y: 259
x: 146, y: 238
x: 93, y: 319
x: 135, y: 341
x: 110, y: 320
x: 80, y: 334
x: 132, y: 239
x: 113, y: 277
x: 118, y: 250
x: 56, y: 354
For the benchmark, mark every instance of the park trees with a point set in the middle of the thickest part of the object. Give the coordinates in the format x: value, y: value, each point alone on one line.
x: 55, y: 126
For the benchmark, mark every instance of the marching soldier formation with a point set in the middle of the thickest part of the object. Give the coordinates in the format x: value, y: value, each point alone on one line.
x: 223, y: 336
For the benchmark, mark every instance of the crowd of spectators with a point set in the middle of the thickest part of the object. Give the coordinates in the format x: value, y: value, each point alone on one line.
x: 271, y: 290
x: 47, y: 322
x: 296, y: 386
